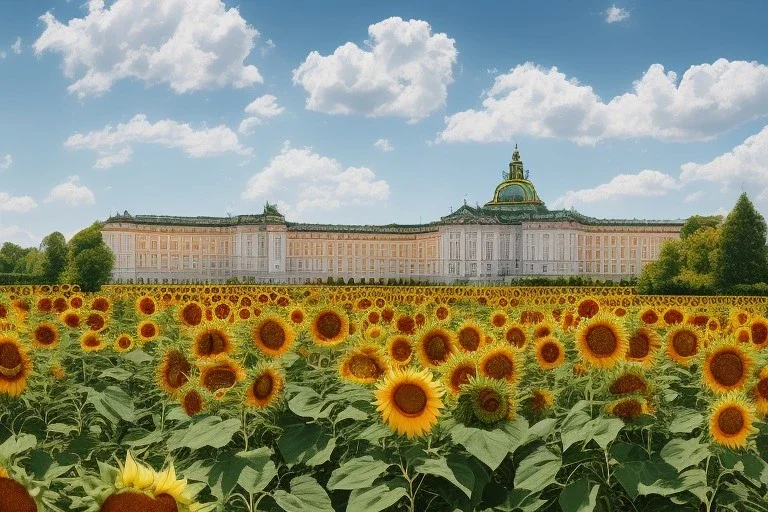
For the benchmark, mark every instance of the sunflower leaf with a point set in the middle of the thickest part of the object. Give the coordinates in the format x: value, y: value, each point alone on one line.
x: 306, y: 496
x: 376, y: 498
x: 538, y: 470
x: 579, y: 496
x: 357, y: 473
x: 489, y: 446
x: 681, y: 454
x: 452, y: 470
x: 210, y: 431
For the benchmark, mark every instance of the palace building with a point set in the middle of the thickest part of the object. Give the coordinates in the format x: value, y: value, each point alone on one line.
x: 512, y: 235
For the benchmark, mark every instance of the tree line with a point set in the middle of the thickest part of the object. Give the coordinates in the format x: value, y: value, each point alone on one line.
x: 713, y: 256
x: 84, y: 260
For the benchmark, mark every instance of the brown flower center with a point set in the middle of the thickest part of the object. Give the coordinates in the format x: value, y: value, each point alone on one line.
x: 45, y: 335
x: 550, y: 352
x: 401, y: 350
x: 95, y: 321
x: 469, y: 338
x: 499, y: 366
x: 410, y: 399
x: 639, y: 345
x: 727, y: 368
x: 148, y: 330
x: 218, y: 378
x: 263, y: 386
x: 673, y: 316
x: 406, y: 325
x: 364, y: 367
x: 759, y: 333
x: 192, y: 314
x: 193, y: 403
x: 14, y: 497
x: 132, y: 501
x: 124, y: 342
x: 489, y: 400
x: 211, y: 342
x: 272, y: 335
x: 461, y: 375
x: 762, y: 388
x: 730, y: 421
x: 649, y: 317
x: 627, y: 384
x: 515, y: 336
x: 601, y: 341
x: 437, y: 348
x: 685, y: 343
x: 177, y: 369
x: 329, y: 324
x: 628, y: 409
x: 588, y: 308
x: 147, y: 305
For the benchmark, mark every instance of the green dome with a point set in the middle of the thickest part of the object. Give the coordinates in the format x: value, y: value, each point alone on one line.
x: 515, y: 189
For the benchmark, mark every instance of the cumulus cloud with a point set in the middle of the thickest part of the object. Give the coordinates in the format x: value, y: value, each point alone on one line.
x: 71, y: 192
x: 114, y: 145
x: 384, y: 145
x: 260, y: 109
x: 187, y: 45
x: 747, y: 162
x: 18, y: 236
x: 615, y: 14
x: 405, y: 72
x: 16, y: 204
x: 708, y: 100
x: 314, y: 182
x: 16, y: 46
x: 693, y: 196
x: 268, y: 46
x: 6, y: 162
x: 644, y: 183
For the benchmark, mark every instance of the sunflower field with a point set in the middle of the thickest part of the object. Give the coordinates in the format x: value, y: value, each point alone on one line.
x: 364, y: 399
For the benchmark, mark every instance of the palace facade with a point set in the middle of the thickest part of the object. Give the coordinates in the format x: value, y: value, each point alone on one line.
x: 512, y: 235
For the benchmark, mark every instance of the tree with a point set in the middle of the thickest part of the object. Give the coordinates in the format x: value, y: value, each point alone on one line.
x: 698, y: 222
x: 12, y: 258
x: 33, y: 263
x: 742, y: 249
x: 89, y: 260
x: 54, y: 249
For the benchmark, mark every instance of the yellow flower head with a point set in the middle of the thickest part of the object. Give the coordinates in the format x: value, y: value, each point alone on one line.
x: 135, y: 475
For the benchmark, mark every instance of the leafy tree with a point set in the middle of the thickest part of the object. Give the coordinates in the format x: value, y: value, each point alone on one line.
x: 742, y: 250
x: 12, y: 258
x: 54, y: 248
x: 698, y: 222
x: 33, y: 263
x: 89, y: 260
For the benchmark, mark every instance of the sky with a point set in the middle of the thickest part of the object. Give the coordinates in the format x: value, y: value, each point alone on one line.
x: 376, y: 112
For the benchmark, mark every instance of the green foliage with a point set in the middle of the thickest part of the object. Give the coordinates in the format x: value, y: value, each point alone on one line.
x: 54, y: 249
x: 698, y: 222
x: 742, y: 256
x: 90, y: 261
x: 12, y: 258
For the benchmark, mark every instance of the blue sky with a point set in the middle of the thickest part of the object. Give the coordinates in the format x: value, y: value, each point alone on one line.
x: 209, y: 107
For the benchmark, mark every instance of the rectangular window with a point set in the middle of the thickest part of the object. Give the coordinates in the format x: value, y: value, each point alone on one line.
x: 277, y: 252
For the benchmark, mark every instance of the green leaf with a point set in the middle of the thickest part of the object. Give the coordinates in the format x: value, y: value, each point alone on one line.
x: 210, y: 431
x: 377, y: 498
x: 113, y: 403
x: 746, y: 463
x: 357, y: 473
x: 453, y: 471
x: 306, y: 496
x: 685, y: 421
x: 541, y: 430
x: 62, y: 428
x: 15, y: 445
x: 297, y: 441
x: 657, y: 477
x: 603, y: 430
x: 538, y: 470
x: 573, y: 428
x: 352, y: 413
x: 517, y: 429
x: 137, y: 357
x: 308, y: 404
x: 253, y: 470
x: 489, y: 446
x: 579, y: 496
x: 142, y: 438
x: 116, y: 373
x: 373, y: 433
x: 323, y: 455
x: 681, y: 454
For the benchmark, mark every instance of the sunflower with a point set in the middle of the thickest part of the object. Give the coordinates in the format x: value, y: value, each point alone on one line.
x: 15, y: 366
x: 297, y: 316
x: 550, y: 352
x: 542, y: 330
x: 515, y: 336
x: 46, y: 335
x: 124, y: 343
x: 457, y: 371
x: 435, y: 345
x: 91, y: 342
x: 406, y: 324
x: 730, y: 421
x: 221, y: 376
x: 643, y: 344
x: 15, y: 496
x: 713, y: 325
x: 399, y: 350
x: 758, y: 330
x: 648, y: 316
x: 272, y: 335
x: 60, y: 304
x: 70, y: 318
x: 211, y: 340
x: 683, y: 344
x: 601, y: 341
x: 443, y: 313
x: 95, y: 322
x: 673, y: 316
x: 146, y: 305
x: 266, y: 386
x: 739, y: 318
x: 373, y: 332
x: 629, y: 380
x: 726, y: 367
x: 44, y: 304
x: 541, y: 400
x: 100, y: 304
x: 173, y: 371
x: 329, y: 326
x: 57, y: 371
x: 498, y: 318
x: 409, y: 401
x: 761, y: 392
x: 363, y: 364
x: 743, y: 335
x: 192, y: 402
x: 501, y: 362
x: 134, y: 475
x: 191, y: 314
x: 147, y: 331
x: 485, y: 400
x: 629, y: 409
x: 588, y: 308
x: 166, y: 484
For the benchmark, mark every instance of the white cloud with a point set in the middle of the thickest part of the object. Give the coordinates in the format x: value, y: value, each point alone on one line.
x: 708, y: 100
x: 114, y: 145
x: 268, y: 46
x: 747, y: 163
x: 404, y: 73
x: 644, y: 183
x: 71, y: 192
x: 16, y: 46
x: 615, y: 14
x: 18, y: 236
x: 694, y: 196
x: 492, y: 71
x: 2, y: 54
x: 16, y: 204
x: 188, y: 45
x: 314, y: 182
x: 260, y: 109
x: 384, y: 145
x: 6, y: 162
